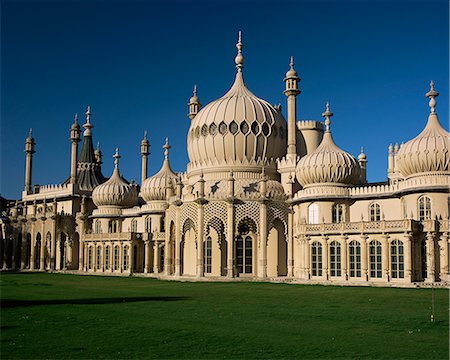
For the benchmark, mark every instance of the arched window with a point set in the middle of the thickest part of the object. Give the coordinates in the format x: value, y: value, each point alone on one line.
x: 162, y: 224
x: 113, y: 226
x: 374, y: 212
x: 99, y: 258
x: 125, y: 258
x: 355, y: 258
x: 335, y: 259
x: 107, y: 257
x: 397, y: 260
x: 90, y: 258
x: 98, y: 227
x: 148, y: 224
x: 313, y: 214
x: 134, y: 225
x: 375, y: 259
x: 316, y: 258
x: 424, y: 208
x: 338, y: 213
x: 244, y: 254
x: 208, y: 255
x: 116, y: 257
x: 37, y: 255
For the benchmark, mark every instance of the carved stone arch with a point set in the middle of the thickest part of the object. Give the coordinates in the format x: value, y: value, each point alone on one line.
x: 188, y: 225
x: 218, y: 225
x: 277, y: 211
x: 246, y: 225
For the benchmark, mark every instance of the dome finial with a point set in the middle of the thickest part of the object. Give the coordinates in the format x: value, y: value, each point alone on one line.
x: 30, y: 134
x: 432, y: 94
x: 327, y: 115
x: 88, y: 126
x: 166, y: 148
x: 291, y: 64
x: 116, y: 157
x: 239, y: 59
x: 75, y: 119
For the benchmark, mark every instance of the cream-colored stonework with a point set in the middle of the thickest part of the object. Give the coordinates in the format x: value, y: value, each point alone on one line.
x: 261, y: 198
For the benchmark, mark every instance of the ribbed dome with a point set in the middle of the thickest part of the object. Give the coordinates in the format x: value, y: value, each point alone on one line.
x: 237, y: 128
x: 116, y: 191
x: 429, y: 151
x: 154, y: 187
x: 328, y: 163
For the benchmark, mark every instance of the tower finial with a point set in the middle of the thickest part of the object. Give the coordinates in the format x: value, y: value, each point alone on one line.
x: 327, y: 115
x: 145, y: 134
x: 116, y: 157
x: 239, y: 59
x: 166, y: 148
x: 88, y: 126
x: 291, y: 64
x: 30, y: 134
x: 195, y: 90
x: 75, y: 119
x: 88, y: 114
x: 432, y: 94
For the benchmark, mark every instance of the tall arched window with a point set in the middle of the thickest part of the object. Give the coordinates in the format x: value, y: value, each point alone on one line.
x: 107, y: 257
x: 397, y: 260
x: 148, y: 224
x: 313, y: 214
x: 208, y: 255
x: 355, y: 258
x: 98, y: 227
x: 90, y: 258
x: 134, y: 225
x: 125, y: 258
x: 244, y: 254
x: 424, y: 208
x: 375, y: 259
x: 116, y: 257
x: 335, y: 259
x: 374, y: 212
x: 113, y: 226
x: 162, y: 225
x: 316, y: 259
x: 99, y: 257
x: 37, y: 255
x: 338, y: 213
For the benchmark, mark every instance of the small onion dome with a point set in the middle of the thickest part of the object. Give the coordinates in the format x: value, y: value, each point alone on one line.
x: 429, y: 151
x: 154, y: 187
x: 362, y: 156
x: 291, y: 72
x: 194, y: 99
x: 328, y: 163
x: 115, y: 192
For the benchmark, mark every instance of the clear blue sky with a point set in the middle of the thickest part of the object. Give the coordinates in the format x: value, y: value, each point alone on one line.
x: 135, y: 63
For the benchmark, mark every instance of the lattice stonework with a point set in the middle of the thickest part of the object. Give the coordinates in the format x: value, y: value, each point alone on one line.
x: 189, y: 211
x: 215, y: 212
x: 277, y: 210
x: 248, y: 209
x: 171, y: 215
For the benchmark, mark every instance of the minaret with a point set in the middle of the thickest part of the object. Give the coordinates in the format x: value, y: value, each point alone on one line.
x: 291, y: 92
x: 194, y: 104
x: 29, y: 150
x: 145, y: 151
x: 74, y: 139
x: 362, y: 159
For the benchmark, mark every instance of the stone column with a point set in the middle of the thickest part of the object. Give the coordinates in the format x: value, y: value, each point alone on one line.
x: 307, y: 258
x: 230, y: 240
x: 408, y: 257
x: 443, y: 247
x: 121, y: 257
x: 131, y: 257
x: 344, y: 258
x: 33, y: 243
x: 23, y: 260
x: 200, y: 241
x: 177, y: 243
x: 167, y: 252
x: 263, y: 239
x: 290, y: 244
x: 431, y: 263
x: 325, y: 259
x: 385, y: 257
x: 146, y: 256
x: 58, y: 254
x: 43, y: 243
x: 53, y: 245
x: 155, y: 257
x: 364, y: 258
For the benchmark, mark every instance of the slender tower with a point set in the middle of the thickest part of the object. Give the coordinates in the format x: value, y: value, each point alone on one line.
x: 145, y: 151
x: 75, y: 139
x: 194, y: 104
x: 291, y: 92
x: 29, y: 150
x: 362, y: 160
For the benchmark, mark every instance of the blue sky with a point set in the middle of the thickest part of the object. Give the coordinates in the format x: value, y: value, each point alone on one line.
x: 135, y: 63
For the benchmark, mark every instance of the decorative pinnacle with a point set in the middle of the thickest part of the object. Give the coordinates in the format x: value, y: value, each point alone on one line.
x: 88, y: 114
x: 291, y: 64
x: 145, y: 134
x: 75, y: 119
x: 98, y: 146
x: 432, y: 94
x: 195, y: 90
x: 30, y: 134
x: 88, y: 126
x: 166, y: 148
x: 327, y: 115
x: 239, y: 59
x: 116, y: 157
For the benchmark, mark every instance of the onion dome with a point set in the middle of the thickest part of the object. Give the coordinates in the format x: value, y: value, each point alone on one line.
x: 362, y: 156
x: 328, y: 163
x: 238, y: 128
x: 292, y: 73
x: 115, y: 192
x: 429, y: 151
x: 154, y: 187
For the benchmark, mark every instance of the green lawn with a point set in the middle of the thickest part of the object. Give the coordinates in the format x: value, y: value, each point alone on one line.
x: 65, y: 316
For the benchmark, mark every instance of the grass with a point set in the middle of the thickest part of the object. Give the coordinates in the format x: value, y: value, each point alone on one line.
x: 68, y: 316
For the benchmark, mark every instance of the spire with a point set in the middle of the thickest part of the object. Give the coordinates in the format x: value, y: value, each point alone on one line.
x: 166, y: 148
x: 327, y: 115
x: 116, y: 157
x: 194, y: 104
x: 145, y: 145
x: 88, y: 126
x: 432, y: 94
x: 239, y: 59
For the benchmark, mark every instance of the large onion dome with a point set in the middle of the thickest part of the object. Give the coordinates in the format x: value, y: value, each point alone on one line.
x: 237, y: 129
x: 116, y: 191
x: 429, y: 151
x: 328, y: 163
x: 154, y: 187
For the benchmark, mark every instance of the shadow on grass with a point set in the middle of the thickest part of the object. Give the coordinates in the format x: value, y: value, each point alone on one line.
x: 12, y: 303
